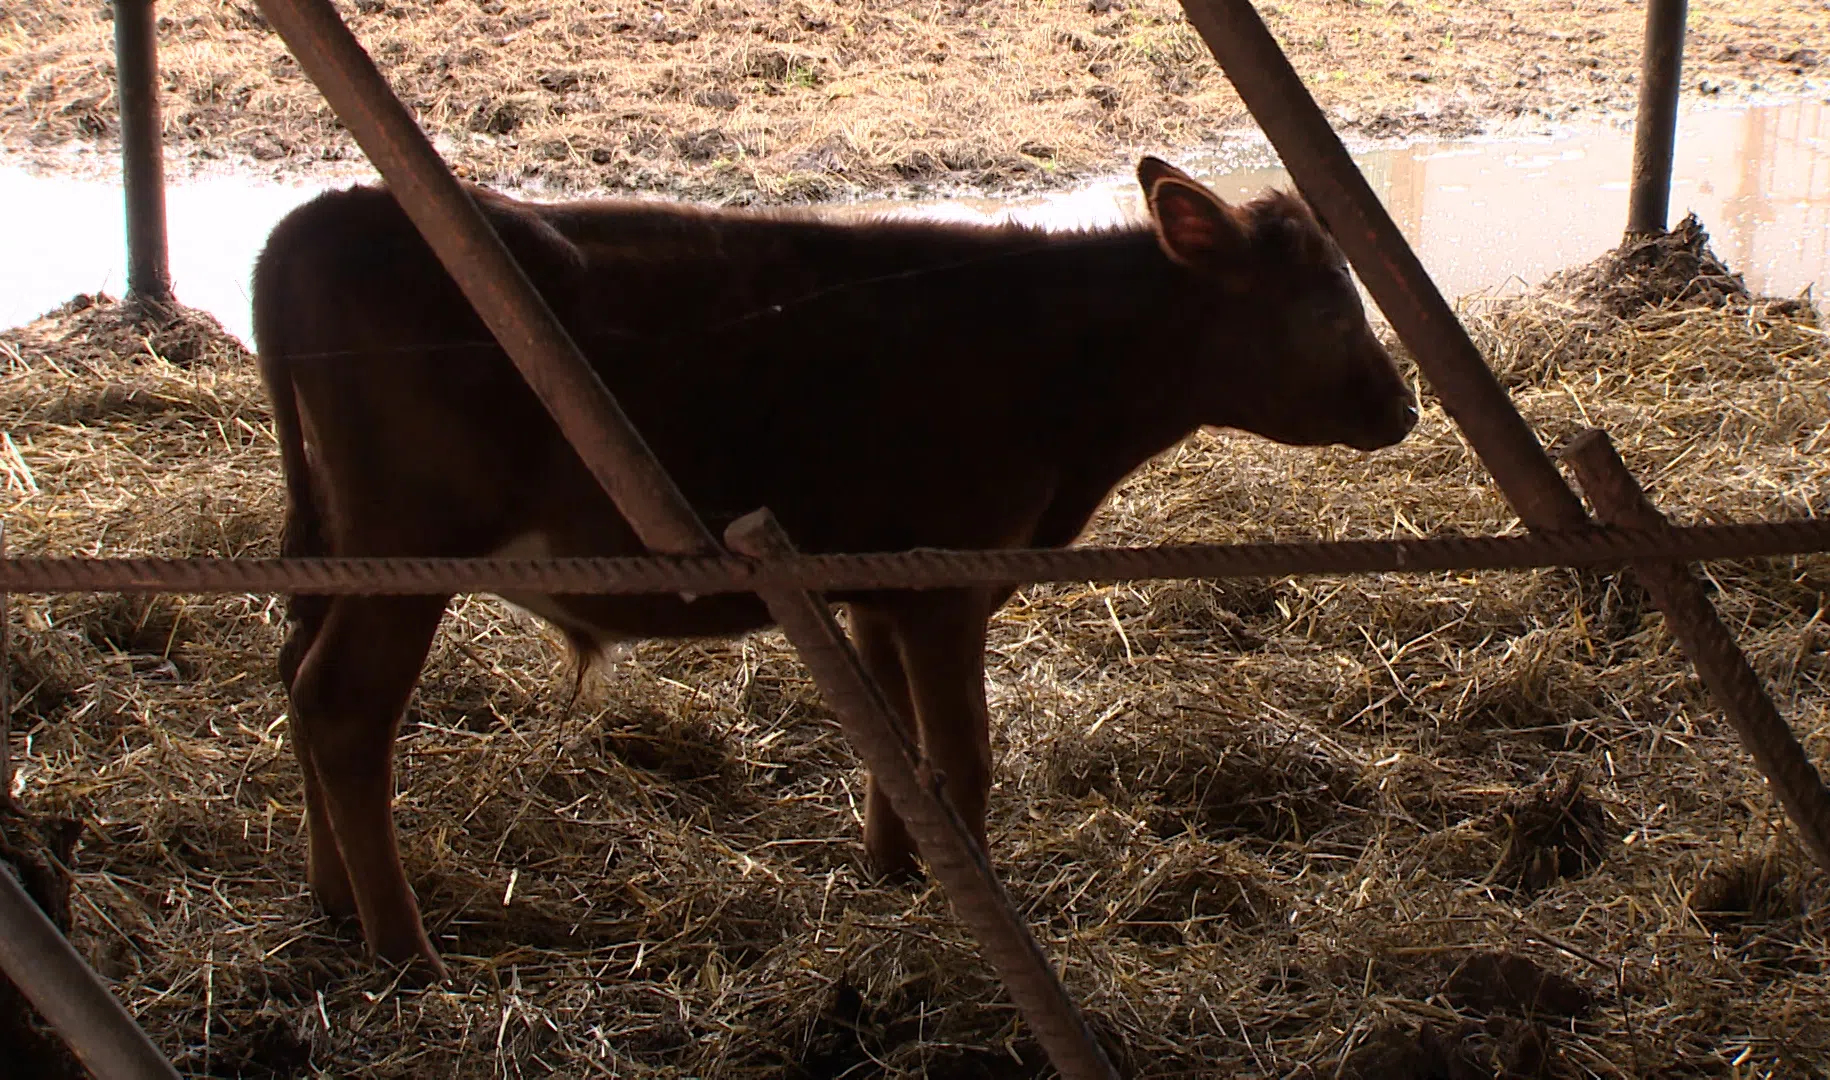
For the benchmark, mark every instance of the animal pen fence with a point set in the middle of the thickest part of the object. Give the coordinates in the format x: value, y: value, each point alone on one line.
x: 761, y: 559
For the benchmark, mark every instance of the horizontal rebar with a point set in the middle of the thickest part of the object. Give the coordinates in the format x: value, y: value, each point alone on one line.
x: 918, y: 569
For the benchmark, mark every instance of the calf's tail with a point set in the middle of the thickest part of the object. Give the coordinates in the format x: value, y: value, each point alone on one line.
x: 303, y: 533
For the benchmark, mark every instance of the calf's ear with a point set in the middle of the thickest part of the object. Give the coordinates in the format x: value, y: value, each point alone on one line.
x: 1193, y: 226
x: 1152, y: 169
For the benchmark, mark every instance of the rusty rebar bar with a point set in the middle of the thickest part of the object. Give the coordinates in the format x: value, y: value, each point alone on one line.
x: 1333, y: 185
x: 954, y: 858
x: 1731, y: 680
x: 69, y: 995
x: 919, y: 569
x: 489, y: 276
x: 1655, y: 131
x: 136, y: 66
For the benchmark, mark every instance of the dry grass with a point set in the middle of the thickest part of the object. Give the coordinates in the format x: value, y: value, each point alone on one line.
x: 1444, y: 825
x: 789, y: 100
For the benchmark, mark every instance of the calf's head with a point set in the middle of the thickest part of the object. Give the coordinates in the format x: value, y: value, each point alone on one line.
x: 1271, y: 291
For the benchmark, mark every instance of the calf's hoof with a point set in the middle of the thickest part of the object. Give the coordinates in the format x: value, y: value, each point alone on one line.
x: 900, y: 869
x: 891, y: 850
x: 425, y: 971
x: 893, y: 854
x: 336, y: 900
x: 405, y: 945
x: 419, y: 968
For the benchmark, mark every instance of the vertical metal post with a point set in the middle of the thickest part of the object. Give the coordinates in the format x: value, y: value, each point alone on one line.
x: 136, y: 59
x: 1333, y: 185
x: 1619, y: 500
x: 6, y: 697
x: 1655, y: 132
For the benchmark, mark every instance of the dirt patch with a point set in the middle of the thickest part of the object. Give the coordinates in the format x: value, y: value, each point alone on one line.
x: 1501, y: 982
x: 1552, y: 832
x: 1673, y: 268
x: 93, y: 330
x: 1495, y: 1050
x: 746, y: 100
x: 1287, y: 809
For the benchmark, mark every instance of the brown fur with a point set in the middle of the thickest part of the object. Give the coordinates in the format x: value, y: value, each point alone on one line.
x: 879, y: 386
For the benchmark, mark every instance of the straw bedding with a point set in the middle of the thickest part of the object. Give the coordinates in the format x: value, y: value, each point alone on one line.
x: 1386, y: 826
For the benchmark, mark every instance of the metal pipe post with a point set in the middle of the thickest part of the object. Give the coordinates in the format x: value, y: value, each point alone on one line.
x: 489, y: 276
x: 6, y: 696
x: 1655, y: 132
x: 136, y: 61
x: 882, y: 740
x: 1333, y: 185
x: 69, y: 995
x: 1619, y: 500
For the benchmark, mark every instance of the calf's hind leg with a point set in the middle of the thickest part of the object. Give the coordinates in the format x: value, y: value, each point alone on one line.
x: 348, y: 693
x: 324, y: 869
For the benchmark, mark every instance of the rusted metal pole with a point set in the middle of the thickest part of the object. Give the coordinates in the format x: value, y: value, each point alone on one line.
x: 954, y: 858
x: 69, y: 995
x: 37, y: 959
x: 1331, y: 182
x: 136, y: 65
x: 1619, y: 500
x: 477, y: 260
x: 6, y: 695
x: 1655, y: 132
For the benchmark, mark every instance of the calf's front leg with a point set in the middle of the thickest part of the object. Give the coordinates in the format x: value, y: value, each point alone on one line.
x: 928, y: 653
x: 887, y: 843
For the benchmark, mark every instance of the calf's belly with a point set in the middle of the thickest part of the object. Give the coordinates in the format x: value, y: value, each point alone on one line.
x: 601, y: 621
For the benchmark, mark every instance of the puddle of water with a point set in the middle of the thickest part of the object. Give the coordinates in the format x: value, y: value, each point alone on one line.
x: 1483, y: 214
x: 65, y: 236
x: 1500, y: 215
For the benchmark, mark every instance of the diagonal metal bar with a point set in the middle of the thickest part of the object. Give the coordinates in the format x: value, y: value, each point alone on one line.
x: 551, y: 363
x: 1470, y: 394
x: 36, y: 958
x: 491, y: 280
x: 706, y: 575
x: 70, y: 995
x: 1731, y: 680
x: 881, y: 739
x: 1394, y: 276
x: 6, y: 693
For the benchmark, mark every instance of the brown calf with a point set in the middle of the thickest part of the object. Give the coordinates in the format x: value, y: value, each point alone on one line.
x: 879, y: 386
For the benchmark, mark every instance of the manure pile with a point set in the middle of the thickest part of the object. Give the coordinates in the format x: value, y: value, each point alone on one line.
x: 1383, y: 826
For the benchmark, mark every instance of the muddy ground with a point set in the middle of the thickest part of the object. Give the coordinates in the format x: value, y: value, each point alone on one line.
x: 790, y: 100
